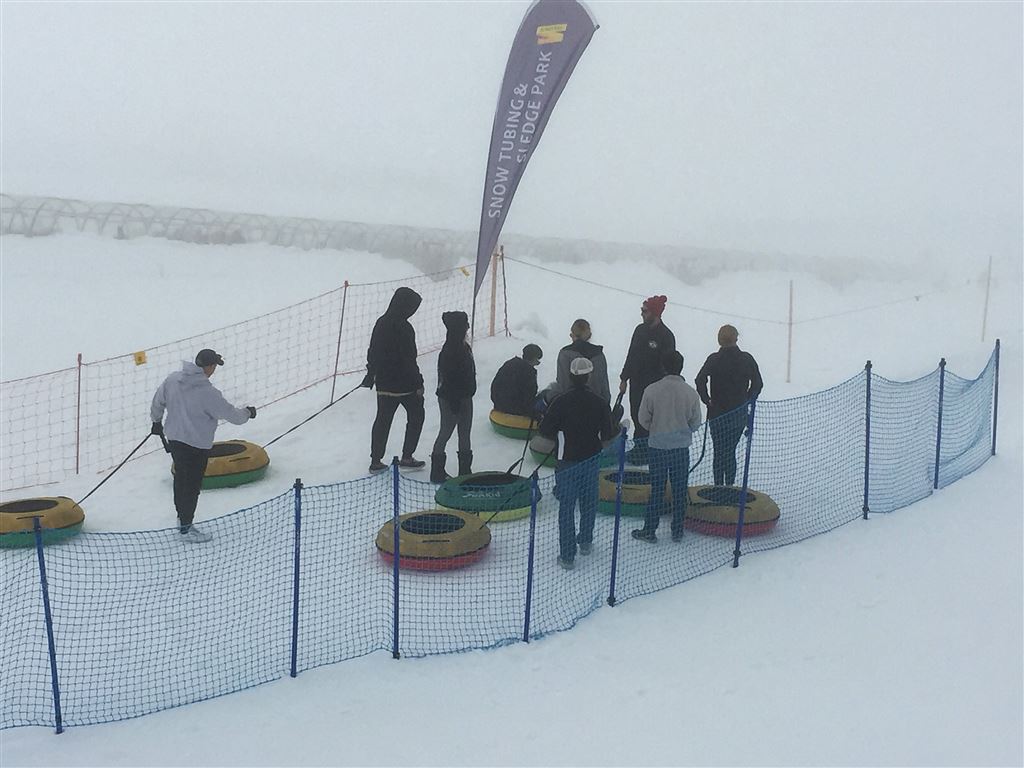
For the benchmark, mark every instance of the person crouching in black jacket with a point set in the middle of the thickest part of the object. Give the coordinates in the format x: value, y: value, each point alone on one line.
x: 514, y: 388
x: 391, y: 365
x: 456, y: 385
x: 735, y: 380
x: 585, y: 420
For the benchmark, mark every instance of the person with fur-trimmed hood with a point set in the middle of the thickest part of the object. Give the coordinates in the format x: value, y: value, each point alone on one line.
x: 651, y: 340
x: 456, y: 385
x: 597, y: 382
x: 193, y: 407
x: 514, y: 387
x: 391, y: 366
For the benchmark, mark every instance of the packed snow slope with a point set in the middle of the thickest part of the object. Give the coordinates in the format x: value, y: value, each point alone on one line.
x: 893, y: 641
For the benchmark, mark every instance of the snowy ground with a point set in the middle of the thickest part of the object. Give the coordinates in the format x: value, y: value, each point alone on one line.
x: 892, y: 641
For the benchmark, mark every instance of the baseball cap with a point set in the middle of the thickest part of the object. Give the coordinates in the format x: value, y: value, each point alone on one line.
x: 208, y: 357
x: 580, y: 366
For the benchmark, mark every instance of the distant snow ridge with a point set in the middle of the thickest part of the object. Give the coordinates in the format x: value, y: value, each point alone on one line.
x: 430, y: 249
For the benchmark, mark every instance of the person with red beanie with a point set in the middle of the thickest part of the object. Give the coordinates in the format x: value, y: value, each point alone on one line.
x: 651, y: 340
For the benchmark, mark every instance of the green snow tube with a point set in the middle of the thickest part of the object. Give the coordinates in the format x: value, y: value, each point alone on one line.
x: 494, y: 496
x: 511, y: 425
x: 59, y: 517
x: 234, y: 462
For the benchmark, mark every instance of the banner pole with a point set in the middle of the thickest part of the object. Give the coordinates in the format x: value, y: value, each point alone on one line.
x: 867, y: 434
x: 995, y: 402
x: 295, y: 575
x: 938, y: 427
x: 618, y: 515
x: 494, y: 287
x: 534, y: 495
x: 48, y: 615
x: 743, y: 492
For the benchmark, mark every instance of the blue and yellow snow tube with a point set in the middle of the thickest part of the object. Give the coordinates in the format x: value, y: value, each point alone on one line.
x: 59, y: 517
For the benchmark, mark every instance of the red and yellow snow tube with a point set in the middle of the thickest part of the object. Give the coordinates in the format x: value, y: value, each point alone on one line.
x: 434, y: 540
x: 715, y: 510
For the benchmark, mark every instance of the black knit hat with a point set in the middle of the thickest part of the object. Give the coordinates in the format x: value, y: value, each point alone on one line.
x: 532, y: 352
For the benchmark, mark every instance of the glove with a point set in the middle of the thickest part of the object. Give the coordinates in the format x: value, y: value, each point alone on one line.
x: 367, y: 381
x: 617, y: 412
x: 157, y: 429
x: 625, y: 424
x: 251, y: 410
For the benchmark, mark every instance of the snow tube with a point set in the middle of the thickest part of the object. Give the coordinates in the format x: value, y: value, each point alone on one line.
x: 715, y: 510
x: 59, y: 517
x: 434, y: 540
x: 234, y: 462
x: 494, y: 496
x: 636, y: 492
x: 511, y: 425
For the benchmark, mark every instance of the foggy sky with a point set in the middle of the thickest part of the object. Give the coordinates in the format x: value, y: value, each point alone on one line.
x: 884, y: 130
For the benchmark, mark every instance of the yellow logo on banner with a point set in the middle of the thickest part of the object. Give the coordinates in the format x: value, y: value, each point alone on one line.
x: 140, y: 358
x: 551, y: 33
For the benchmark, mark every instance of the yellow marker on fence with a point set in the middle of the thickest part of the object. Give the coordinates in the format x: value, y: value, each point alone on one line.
x: 464, y: 271
x: 140, y: 357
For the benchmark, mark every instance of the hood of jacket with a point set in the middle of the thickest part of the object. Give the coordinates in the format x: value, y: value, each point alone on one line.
x: 457, y: 324
x: 404, y: 303
x: 192, y: 376
x: 586, y: 349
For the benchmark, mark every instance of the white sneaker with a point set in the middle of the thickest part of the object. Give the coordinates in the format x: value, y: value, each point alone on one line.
x: 195, y: 536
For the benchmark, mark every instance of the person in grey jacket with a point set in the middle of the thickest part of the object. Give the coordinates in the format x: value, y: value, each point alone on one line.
x: 193, y: 406
x: 670, y: 411
x: 597, y: 383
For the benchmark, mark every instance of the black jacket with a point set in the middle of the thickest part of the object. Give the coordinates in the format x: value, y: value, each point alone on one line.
x: 391, y: 357
x: 735, y: 379
x: 514, y: 388
x: 456, y: 370
x: 643, y: 361
x: 585, y: 420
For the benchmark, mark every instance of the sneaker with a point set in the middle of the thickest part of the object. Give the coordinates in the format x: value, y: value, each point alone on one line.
x: 586, y: 549
x: 194, y: 536
x: 377, y: 467
x: 566, y: 564
x: 642, y: 534
x: 410, y: 463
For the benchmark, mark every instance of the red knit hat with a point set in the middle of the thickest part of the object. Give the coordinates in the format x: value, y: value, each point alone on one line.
x: 655, y: 305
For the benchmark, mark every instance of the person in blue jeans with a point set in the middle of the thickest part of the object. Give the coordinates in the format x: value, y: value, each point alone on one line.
x: 584, y: 419
x: 670, y: 411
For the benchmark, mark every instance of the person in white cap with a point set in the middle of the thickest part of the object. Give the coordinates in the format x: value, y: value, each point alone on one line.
x: 193, y: 406
x: 584, y: 420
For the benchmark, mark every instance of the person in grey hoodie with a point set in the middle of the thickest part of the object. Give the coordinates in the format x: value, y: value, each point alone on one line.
x: 193, y: 406
x: 670, y: 412
x: 597, y: 382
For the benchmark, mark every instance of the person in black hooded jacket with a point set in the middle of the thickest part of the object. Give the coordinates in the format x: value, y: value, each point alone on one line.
x: 391, y: 365
x: 456, y: 385
x: 514, y: 388
x: 735, y: 381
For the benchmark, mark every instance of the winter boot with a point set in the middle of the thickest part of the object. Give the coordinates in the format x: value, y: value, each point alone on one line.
x: 465, y: 463
x: 437, y: 473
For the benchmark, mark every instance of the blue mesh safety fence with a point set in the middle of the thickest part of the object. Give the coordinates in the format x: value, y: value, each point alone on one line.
x: 144, y: 621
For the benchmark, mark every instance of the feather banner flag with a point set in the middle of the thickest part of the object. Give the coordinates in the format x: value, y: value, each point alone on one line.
x: 550, y: 40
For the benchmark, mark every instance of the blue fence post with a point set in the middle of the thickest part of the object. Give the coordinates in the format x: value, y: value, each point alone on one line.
x: 394, y: 566
x: 295, y: 575
x: 743, y: 493
x: 534, y: 495
x: 618, y: 515
x: 54, y: 681
x: 938, y: 429
x: 867, y: 434
x: 995, y: 402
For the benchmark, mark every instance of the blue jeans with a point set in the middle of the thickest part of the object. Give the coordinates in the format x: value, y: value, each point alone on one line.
x: 575, y: 482
x: 668, y: 465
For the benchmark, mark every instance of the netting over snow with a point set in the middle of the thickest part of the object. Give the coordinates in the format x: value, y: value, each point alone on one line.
x: 143, y: 622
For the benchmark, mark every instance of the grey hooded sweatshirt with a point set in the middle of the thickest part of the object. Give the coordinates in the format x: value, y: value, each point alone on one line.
x: 193, y: 407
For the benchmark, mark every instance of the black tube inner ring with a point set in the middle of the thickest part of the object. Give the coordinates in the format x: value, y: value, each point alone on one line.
x: 432, y: 523
x: 28, y: 505
x: 226, y: 449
